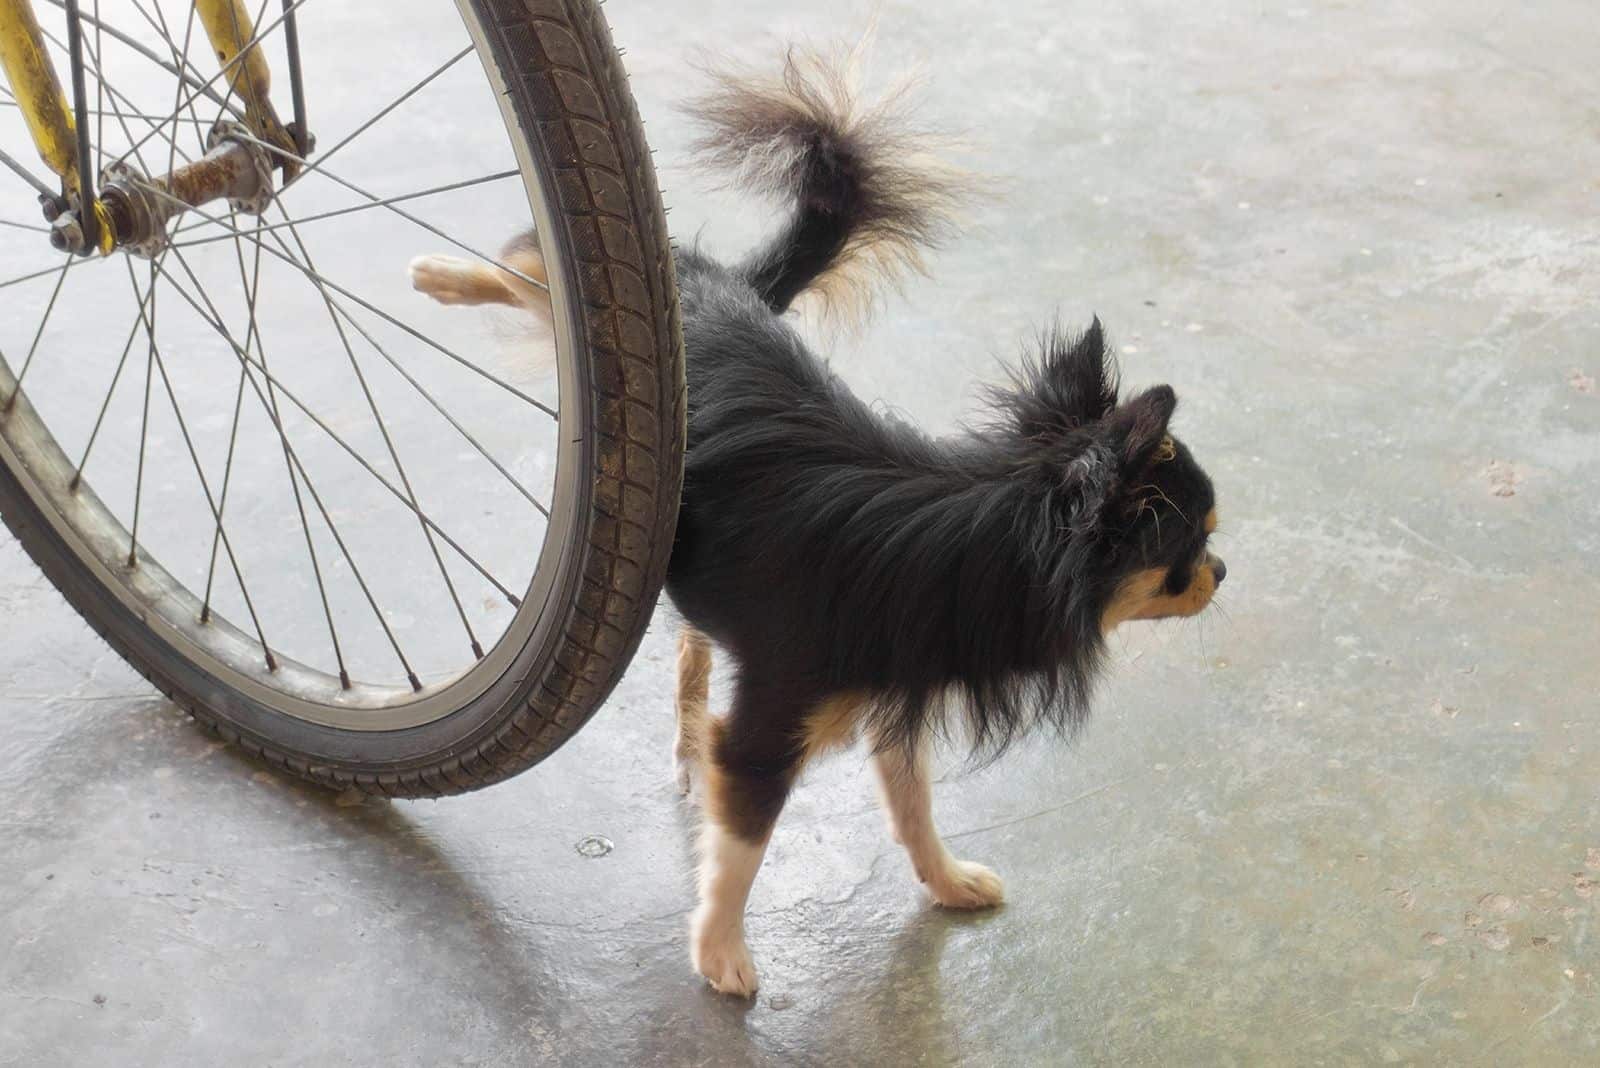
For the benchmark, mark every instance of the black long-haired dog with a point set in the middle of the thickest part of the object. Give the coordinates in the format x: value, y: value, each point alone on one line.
x: 864, y: 578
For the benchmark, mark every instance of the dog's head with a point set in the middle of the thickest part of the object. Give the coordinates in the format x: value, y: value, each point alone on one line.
x: 1137, y: 510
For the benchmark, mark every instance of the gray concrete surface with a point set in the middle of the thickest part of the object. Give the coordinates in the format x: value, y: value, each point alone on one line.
x: 1352, y: 816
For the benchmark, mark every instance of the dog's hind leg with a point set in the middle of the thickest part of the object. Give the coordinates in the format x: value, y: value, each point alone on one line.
x: 694, y: 690
x: 453, y: 280
x: 908, y: 798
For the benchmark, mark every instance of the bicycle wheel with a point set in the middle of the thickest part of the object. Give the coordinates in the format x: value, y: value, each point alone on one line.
x: 359, y: 535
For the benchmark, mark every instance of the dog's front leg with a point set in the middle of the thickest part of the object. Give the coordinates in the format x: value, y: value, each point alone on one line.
x: 748, y: 772
x: 728, y: 865
x: 908, y: 797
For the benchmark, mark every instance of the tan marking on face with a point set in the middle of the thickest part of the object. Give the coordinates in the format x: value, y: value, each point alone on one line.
x: 1141, y: 596
x: 1211, y: 521
x: 832, y: 724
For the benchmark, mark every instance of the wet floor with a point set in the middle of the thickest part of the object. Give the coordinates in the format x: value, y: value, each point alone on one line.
x: 1350, y: 816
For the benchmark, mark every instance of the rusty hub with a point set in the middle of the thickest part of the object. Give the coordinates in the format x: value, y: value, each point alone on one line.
x: 140, y: 207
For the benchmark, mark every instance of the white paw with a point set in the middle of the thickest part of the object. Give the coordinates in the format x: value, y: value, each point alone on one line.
x: 965, y: 885
x: 722, y: 957
x: 444, y: 278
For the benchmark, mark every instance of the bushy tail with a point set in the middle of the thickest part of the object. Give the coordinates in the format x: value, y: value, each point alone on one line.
x: 869, y: 195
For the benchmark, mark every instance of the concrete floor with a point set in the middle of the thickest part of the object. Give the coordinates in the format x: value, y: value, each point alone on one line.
x: 1352, y: 816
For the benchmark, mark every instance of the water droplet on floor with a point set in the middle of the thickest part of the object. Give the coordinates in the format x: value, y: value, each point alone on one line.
x: 594, y: 845
x: 779, y: 1002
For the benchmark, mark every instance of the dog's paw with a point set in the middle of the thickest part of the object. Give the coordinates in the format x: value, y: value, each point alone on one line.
x: 723, y: 958
x: 447, y: 279
x: 965, y: 885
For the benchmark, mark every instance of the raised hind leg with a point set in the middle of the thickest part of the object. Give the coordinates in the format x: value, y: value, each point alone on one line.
x: 453, y: 280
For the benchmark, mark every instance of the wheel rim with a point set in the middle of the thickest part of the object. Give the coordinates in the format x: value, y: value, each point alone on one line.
x: 351, y: 533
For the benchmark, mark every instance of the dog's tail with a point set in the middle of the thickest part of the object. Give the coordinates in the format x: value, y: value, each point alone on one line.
x: 869, y: 195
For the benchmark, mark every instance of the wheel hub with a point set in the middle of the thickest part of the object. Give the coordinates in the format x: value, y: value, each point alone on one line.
x: 236, y: 168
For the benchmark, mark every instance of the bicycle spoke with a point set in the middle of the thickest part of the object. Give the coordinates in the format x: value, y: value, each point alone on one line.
x: 99, y: 83
x: 335, y: 213
x: 251, y: 284
x: 183, y: 64
x: 27, y: 176
x: 27, y: 361
x: 388, y: 442
x: 133, y: 332
x: 396, y: 102
x: 194, y: 458
x: 52, y: 269
x: 102, y: 112
x: 144, y: 421
x: 289, y: 395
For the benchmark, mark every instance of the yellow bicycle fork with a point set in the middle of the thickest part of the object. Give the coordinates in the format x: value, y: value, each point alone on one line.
x: 134, y: 209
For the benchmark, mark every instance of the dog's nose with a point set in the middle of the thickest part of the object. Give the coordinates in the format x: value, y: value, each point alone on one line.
x: 1219, y: 570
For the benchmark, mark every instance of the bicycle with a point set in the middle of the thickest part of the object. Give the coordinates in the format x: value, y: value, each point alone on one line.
x: 276, y: 534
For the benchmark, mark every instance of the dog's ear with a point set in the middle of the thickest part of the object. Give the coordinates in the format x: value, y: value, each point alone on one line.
x: 1125, y: 444
x: 1093, y: 477
x: 1071, y: 382
x: 1137, y: 431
